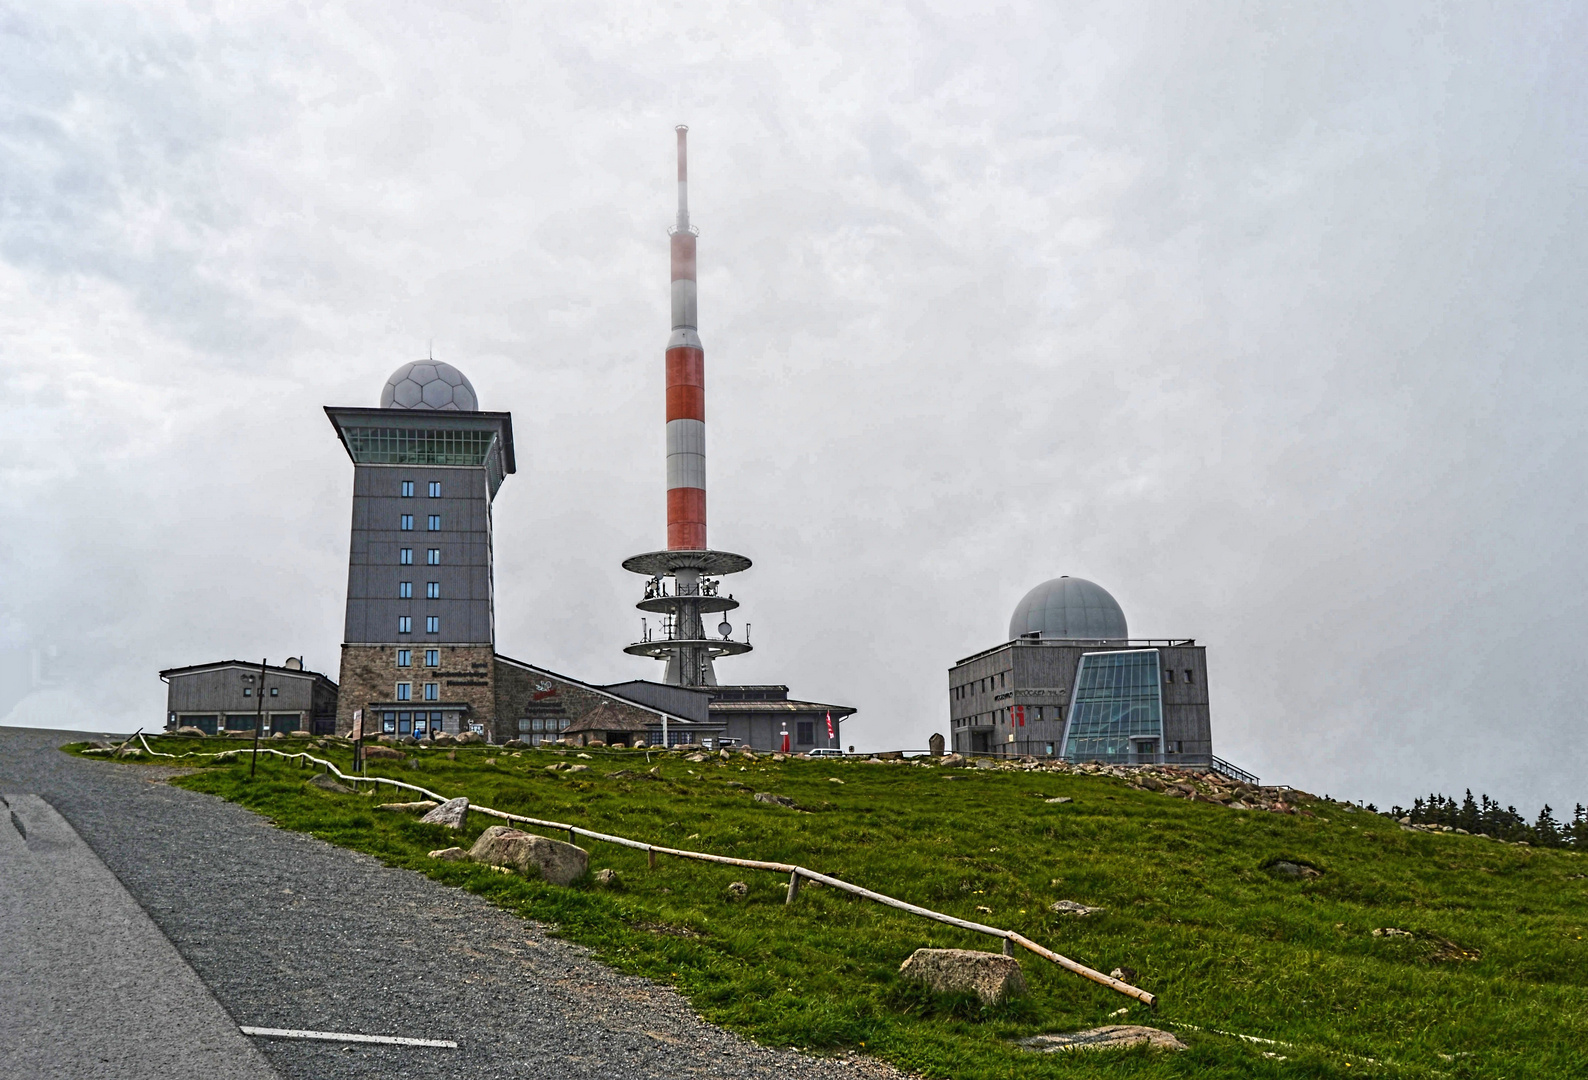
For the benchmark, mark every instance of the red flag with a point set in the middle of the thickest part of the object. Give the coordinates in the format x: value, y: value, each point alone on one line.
x: 829, y: 723
x: 1020, y: 710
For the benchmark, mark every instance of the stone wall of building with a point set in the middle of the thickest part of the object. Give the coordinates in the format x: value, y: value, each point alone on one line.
x: 526, y: 695
x: 370, y: 675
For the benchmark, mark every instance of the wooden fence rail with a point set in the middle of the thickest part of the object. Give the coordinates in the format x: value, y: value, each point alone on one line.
x: 794, y: 872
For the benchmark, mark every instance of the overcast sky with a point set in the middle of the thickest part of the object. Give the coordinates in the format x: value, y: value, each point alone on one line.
x: 1268, y: 318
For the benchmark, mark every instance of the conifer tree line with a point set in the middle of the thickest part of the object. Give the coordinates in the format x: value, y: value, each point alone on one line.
x: 1484, y: 815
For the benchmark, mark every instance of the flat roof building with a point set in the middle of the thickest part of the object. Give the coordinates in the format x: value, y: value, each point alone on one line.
x: 231, y: 695
x: 1071, y: 683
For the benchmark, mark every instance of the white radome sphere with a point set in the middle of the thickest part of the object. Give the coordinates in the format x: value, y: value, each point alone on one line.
x: 429, y: 384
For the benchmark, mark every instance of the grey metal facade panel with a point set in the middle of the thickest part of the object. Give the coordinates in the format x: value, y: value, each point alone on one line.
x: 684, y: 701
x: 221, y: 690
x: 376, y: 572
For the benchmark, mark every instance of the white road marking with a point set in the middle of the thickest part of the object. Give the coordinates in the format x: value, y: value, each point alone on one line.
x: 344, y: 1036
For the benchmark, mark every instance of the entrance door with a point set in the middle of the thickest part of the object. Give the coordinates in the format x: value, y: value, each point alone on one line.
x: 979, y: 742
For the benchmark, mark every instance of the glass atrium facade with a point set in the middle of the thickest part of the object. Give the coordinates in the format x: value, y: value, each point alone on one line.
x: 1116, y: 712
x: 417, y: 446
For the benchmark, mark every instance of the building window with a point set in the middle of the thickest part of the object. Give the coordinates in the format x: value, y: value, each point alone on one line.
x: 408, y: 489
x: 1118, y: 704
x: 432, y: 624
x: 407, y: 523
x: 248, y: 691
x: 434, y: 557
x: 274, y: 692
x: 1168, y: 675
x: 406, y: 556
x: 1188, y: 677
x: 405, y: 589
x: 432, y: 691
x: 433, y: 590
x: 435, y: 489
x: 435, y: 522
x: 405, y: 624
x: 404, y: 657
x: 432, y: 658
x: 806, y: 732
x: 405, y: 691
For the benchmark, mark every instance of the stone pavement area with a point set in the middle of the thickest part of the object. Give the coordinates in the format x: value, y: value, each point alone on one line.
x: 372, y: 950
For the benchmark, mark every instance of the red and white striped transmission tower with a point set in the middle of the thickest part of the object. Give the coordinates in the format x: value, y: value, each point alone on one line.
x: 683, y: 585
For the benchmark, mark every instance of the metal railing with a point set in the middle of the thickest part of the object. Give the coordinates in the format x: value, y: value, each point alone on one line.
x: 1234, y: 772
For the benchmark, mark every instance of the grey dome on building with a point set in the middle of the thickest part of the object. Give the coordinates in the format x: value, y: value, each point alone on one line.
x: 1069, y: 608
x: 429, y: 384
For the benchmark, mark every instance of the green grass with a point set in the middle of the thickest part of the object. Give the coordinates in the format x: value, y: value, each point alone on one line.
x: 1225, y: 945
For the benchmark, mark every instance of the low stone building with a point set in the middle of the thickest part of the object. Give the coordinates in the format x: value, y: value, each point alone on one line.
x: 232, y: 695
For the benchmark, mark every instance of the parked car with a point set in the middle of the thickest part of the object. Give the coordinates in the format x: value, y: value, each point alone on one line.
x: 827, y: 751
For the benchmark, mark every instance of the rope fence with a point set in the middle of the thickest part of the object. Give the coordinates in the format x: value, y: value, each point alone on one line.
x: 795, y: 873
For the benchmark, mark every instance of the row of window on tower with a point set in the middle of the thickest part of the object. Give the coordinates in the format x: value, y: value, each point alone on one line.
x: 405, y: 658
x: 405, y: 590
x: 405, y: 691
x: 405, y: 624
x: 406, y: 523
x: 435, y: 489
x: 405, y: 556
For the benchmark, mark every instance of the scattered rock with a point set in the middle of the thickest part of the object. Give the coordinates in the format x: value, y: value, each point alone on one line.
x: 189, y: 732
x: 834, y: 780
x: 953, y: 759
x: 424, y: 804
x: 1124, y: 974
x: 533, y: 856
x: 443, y: 739
x: 984, y: 763
x: 696, y: 758
x: 448, y: 854
x: 1392, y: 931
x: 608, y: 879
x: 578, y: 768
x: 984, y: 909
x: 1061, y: 800
x: 468, y: 737
x: 776, y: 800
x: 326, y: 783
x: 738, y: 890
x: 451, y: 813
x: 1151, y: 783
x: 990, y: 976
x: 490, y: 761
x: 515, y: 744
x: 1115, y: 1036
x: 379, y: 753
x: 299, y: 735
x: 780, y: 757
x: 227, y: 755
x: 1070, y: 907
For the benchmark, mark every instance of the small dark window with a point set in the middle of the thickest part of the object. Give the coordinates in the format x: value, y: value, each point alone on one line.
x: 807, y: 732
x: 432, y: 658
x: 433, y: 557
x: 435, y: 489
x: 274, y: 692
x: 435, y: 522
x: 406, y: 556
x: 1188, y: 677
x: 432, y: 624
x: 1168, y: 675
x: 405, y: 589
x: 406, y: 523
x: 248, y: 691
x: 404, y: 657
x: 408, y: 489
x: 433, y: 590
x: 405, y: 624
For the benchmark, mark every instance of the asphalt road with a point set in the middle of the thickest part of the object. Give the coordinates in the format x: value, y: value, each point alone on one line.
x: 372, y: 950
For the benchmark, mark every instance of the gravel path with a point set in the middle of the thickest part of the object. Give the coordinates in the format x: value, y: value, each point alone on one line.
x: 373, y: 949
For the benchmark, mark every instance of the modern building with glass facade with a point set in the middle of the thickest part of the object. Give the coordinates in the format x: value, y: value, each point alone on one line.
x: 1070, y: 682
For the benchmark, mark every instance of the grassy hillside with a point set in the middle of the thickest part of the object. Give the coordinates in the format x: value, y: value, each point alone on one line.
x: 1490, y: 980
